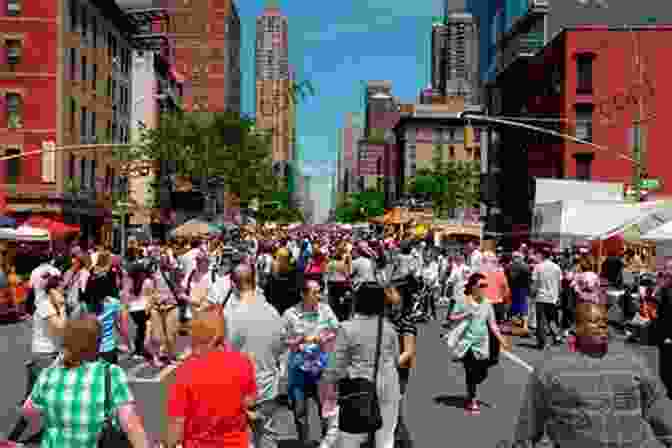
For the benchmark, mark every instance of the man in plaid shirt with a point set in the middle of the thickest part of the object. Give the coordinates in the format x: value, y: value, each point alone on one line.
x: 591, y: 398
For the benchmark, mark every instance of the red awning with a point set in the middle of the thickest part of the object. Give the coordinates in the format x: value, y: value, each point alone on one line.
x: 175, y: 74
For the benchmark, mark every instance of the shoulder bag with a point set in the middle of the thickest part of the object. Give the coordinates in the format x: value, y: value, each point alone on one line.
x: 358, y: 399
x: 111, y: 436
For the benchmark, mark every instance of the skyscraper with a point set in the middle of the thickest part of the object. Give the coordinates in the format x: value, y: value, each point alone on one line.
x: 274, y: 108
x: 455, y: 56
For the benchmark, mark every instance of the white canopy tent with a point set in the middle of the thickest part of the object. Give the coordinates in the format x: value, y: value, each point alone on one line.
x: 32, y: 234
x: 573, y: 220
x: 7, y: 234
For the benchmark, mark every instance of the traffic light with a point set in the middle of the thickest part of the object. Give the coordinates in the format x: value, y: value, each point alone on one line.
x: 468, y: 136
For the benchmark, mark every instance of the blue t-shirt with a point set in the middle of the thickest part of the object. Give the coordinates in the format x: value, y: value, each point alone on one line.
x: 108, y: 321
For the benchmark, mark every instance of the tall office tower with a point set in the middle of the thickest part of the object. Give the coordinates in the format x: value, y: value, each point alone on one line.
x: 206, y: 37
x: 455, y: 56
x: 274, y: 108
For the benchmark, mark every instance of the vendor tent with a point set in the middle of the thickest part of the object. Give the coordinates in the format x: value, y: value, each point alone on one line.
x: 28, y: 233
x: 7, y: 233
x: 196, y: 227
x: 572, y: 220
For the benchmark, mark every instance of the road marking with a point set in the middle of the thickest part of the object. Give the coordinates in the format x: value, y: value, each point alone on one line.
x: 517, y: 360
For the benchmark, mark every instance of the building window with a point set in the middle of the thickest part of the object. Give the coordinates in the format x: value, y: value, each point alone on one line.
x: 13, y: 165
x: 73, y: 64
x: 71, y: 166
x: 451, y: 152
x: 74, y: 9
x: 92, y: 177
x: 94, y: 76
x: 93, y: 126
x: 94, y: 31
x: 584, y: 73
x: 84, y: 68
x: 108, y: 131
x: 584, y: 122
x: 108, y: 179
x: 477, y: 154
x: 13, y: 51
x: 109, y: 86
x: 413, y: 169
x: 83, y: 129
x: 14, y: 110
x: 85, y: 22
x: 13, y: 7
x: 73, y: 112
x: 584, y: 163
x: 82, y: 174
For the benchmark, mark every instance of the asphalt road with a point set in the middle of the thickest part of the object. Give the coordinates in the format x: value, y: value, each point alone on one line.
x: 436, y: 391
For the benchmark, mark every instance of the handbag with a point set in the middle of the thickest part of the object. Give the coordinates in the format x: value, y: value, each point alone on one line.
x: 111, y: 436
x: 358, y: 399
x: 495, y: 348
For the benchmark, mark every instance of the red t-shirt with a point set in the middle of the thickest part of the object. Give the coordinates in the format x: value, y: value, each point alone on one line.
x: 208, y: 393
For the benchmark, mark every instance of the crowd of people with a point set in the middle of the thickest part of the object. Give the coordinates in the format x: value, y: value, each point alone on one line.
x: 319, y: 309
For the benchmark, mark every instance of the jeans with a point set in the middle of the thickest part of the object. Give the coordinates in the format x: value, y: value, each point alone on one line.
x: 265, y: 432
x: 402, y: 435
x: 476, y: 371
x: 300, y: 392
x: 140, y: 320
x: 546, y: 317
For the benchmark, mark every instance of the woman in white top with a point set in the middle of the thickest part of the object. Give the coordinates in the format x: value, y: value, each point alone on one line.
x: 48, y: 324
x: 458, y: 278
x: 199, y: 282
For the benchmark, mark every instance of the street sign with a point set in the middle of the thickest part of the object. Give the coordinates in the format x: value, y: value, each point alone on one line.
x: 651, y: 184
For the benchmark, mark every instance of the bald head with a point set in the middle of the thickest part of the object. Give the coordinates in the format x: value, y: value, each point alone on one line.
x: 208, y: 329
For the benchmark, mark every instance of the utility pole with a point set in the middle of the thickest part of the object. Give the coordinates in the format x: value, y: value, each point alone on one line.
x: 636, y: 127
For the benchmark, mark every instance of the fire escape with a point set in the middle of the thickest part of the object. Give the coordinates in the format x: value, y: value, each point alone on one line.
x: 152, y: 24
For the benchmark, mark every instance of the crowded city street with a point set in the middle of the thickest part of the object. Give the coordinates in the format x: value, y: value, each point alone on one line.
x: 435, y: 404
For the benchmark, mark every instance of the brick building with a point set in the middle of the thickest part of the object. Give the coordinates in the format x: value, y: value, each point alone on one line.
x: 66, y: 78
x: 573, y: 77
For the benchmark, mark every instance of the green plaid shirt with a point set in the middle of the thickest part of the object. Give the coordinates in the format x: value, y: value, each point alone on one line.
x: 71, y: 402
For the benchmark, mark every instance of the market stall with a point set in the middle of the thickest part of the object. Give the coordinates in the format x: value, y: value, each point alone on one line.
x: 607, y: 226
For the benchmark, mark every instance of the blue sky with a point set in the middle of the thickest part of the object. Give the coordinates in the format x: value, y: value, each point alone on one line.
x: 336, y: 45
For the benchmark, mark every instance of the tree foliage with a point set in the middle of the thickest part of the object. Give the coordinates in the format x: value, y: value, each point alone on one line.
x: 362, y: 206
x: 450, y: 184
x: 204, y: 145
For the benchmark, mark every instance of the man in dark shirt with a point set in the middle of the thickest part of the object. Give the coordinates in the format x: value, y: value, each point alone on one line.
x: 593, y: 398
x: 612, y: 270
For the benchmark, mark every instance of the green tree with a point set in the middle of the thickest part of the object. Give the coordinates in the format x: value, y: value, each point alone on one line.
x: 361, y: 206
x: 451, y: 185
x: 205, y: 145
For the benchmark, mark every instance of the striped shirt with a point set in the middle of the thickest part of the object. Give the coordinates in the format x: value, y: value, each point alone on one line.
x: 582, y: 401
x: 108, y: 322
